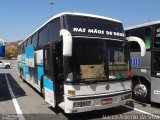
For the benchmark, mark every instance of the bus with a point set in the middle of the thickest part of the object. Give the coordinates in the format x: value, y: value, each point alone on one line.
x: 146, y: 70
x: 2, y: 48
x: 79, y: 62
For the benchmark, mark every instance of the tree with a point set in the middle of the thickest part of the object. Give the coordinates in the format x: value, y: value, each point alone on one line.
x: 11, y: 51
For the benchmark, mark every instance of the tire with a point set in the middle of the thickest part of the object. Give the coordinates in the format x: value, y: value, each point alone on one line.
x: 141, y: 91
x: 42, y: 88
x: 7, y: 67
x: 43, y: 93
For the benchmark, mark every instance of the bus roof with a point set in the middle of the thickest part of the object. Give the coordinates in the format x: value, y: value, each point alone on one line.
x: 143, y: 25
x: 74, y: 14
x: 87, y: 15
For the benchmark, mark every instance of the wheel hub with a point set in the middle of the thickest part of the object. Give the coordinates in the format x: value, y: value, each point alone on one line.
x: 140, y: 90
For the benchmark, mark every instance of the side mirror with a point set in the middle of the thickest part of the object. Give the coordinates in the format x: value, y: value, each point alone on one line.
x: 67, y: 42
x: 140, y: 42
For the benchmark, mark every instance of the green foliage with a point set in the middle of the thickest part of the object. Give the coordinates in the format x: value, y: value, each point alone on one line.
x: 11, y: 49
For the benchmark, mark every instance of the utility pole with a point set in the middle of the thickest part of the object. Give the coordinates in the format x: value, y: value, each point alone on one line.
x: 51, y: 3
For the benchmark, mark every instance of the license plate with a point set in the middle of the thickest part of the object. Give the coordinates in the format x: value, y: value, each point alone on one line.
x: 82, y: 104
x: 106, y: 101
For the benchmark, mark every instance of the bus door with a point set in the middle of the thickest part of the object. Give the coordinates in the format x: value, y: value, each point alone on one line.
x: 49, y: 75
x: 155, y: 79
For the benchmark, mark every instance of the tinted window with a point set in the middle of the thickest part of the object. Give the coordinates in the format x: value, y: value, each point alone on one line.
x: 48, y: 62
x: 43, y: 36
x: 156, y: 63
x: 94, y: 27
x: 29, y: 41
x: 127, y: 34
x: 54, y: 28
x: 147, y: 38
x: 138, y: 33
x: 134, y: 46
x: 18, y: 48
x: 26, y: 41
x: 25, y: 44
x: 34, y: 40
x: 81, y: 48
x: 157, y: 36
x: 23, y: 48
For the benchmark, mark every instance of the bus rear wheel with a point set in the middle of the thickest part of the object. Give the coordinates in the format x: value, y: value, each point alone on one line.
x: 141, y: 92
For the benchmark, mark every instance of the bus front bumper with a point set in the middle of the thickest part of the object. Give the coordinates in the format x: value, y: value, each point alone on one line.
x: 79, y: 104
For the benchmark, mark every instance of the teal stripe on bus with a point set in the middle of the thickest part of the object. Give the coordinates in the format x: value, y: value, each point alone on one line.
x: 48, y: 83
x: 40, y: 72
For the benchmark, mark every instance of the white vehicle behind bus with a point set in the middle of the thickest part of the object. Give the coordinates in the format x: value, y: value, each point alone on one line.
x: 5, y: 65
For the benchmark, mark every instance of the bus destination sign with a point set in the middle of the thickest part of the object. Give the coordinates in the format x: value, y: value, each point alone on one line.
x: 93, y: 27
x: 97, y: 31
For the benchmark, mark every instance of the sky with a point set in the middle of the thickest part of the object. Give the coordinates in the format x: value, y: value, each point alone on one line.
x: 20, y: 18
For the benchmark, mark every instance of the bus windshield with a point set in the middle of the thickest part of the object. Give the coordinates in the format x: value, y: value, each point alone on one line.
x: 92, y: 27
x: 97, y: 59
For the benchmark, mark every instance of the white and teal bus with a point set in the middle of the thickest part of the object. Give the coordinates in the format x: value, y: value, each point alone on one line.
x: 80, y: 62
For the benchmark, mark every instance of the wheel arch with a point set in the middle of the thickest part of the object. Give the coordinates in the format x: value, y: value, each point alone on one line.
x: 141, y: 78
x: 7, y: 66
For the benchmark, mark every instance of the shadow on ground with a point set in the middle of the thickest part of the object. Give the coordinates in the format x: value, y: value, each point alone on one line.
x: 4, y: 91
x: 97, y: 114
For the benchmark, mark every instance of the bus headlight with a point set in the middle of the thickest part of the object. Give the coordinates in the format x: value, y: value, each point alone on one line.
x: 71, y: 92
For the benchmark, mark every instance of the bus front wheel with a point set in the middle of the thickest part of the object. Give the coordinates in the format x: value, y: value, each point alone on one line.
x: 141, y: 91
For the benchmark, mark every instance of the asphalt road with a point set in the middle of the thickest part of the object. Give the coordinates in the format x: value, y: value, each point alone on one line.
x: 29, y: 105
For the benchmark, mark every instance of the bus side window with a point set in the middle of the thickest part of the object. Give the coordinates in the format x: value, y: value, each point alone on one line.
x: 157, y: 37
x: 18, y: 49
x: 54, y: 28
x: 138, y: 33
x: 127, y: 34
x: 24, y: 47
x: 134, y: 46
x: 43, y: 36
x: 48, y: 70
x: 29, y: 41
x: 148, y: 38
x: 21, y: 48
x: 34, y: 40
